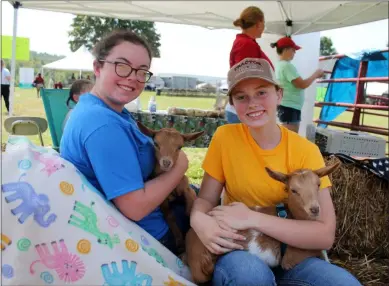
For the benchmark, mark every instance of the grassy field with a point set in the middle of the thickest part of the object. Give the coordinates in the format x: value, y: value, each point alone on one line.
x: 26, y: 103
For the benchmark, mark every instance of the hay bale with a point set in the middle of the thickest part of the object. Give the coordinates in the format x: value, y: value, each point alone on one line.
x: 361, y: 201
x: 370, y: 272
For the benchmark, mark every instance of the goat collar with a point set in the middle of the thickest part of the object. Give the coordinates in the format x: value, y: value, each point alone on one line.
x: 281, y: 210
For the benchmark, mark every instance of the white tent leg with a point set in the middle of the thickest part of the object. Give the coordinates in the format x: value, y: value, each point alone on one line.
x: 306, y: 62
x: 13, y: 60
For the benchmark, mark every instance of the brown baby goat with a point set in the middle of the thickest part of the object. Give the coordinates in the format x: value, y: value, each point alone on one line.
x: 168, y: 142
x: 302, y: 204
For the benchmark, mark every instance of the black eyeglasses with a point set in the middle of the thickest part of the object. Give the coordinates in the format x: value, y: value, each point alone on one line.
x: 125, y: 70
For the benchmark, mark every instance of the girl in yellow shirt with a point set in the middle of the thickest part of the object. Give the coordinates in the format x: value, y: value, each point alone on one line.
x: 236, y: 161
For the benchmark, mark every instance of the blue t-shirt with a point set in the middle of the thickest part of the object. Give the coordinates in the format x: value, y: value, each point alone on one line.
x: 108, y: 148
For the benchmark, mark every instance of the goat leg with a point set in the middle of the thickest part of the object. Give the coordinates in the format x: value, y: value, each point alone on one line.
x: 190, y: 197
x: 171, y: 221
x: 183, y: 189
x: 294, y: 256
x: 200, y: 260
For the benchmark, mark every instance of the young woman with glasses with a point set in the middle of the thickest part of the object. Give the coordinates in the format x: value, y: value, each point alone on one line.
x: 104, y: 143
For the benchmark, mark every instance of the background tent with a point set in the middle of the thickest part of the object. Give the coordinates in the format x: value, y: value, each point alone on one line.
x: 282, y: 18
x: 303, y: 16
x: 80, y: 60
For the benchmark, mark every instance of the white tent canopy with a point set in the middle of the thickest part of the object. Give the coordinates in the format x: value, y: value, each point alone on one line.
x: 282, y: 17
x: 306, y: 16
x: 80, y: 60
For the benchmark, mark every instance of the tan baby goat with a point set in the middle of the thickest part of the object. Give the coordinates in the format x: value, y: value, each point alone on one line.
x: 302, y: 204
x: 168, y: 142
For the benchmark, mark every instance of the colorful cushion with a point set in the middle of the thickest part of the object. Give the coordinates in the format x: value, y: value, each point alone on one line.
x: 58, y: 229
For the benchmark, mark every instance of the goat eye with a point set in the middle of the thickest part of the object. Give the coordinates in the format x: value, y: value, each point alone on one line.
x: 156, y: 145
x: 294, y: 191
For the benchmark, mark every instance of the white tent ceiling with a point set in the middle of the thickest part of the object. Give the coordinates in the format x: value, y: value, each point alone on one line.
x: 307, y: 16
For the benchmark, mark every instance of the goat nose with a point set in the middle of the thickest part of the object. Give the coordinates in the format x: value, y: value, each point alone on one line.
x: 314, y: 210
x: 166, y: 163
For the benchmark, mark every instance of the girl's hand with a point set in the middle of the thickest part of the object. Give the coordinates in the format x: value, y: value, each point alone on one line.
x: 319, y: 73
x: 235, y: 215
x: 182, y: 161
x: 216, y: 239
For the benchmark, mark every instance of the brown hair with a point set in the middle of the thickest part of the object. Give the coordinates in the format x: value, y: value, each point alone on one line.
x: 78, y: 87
x: 249, y: 17
x: 116, y: 37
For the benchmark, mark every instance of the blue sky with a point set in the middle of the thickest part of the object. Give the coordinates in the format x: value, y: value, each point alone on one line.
x: 199, y: 51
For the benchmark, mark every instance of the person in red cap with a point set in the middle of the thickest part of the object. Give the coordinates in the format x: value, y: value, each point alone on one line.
x: 289, y: 112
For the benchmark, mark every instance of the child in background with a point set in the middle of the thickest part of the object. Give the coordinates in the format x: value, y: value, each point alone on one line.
x: 293, y: 85
x: 78, y: 88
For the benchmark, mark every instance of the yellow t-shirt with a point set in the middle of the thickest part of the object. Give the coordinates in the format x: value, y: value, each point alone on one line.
x: 236, y: 160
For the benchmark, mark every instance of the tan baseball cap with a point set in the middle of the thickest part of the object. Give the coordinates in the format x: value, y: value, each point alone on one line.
x: 250, y: 68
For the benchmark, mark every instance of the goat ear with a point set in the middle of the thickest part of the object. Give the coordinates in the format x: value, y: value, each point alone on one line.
x: 192, y: 136
x: 278, y: 176
x: 327, y: 170
x: 146, y: 130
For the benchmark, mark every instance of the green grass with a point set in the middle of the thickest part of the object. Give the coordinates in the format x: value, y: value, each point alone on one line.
x: 164, y: 102
x: 26, y: 103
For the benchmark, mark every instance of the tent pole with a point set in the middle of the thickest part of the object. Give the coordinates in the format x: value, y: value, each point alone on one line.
x: 16, y: 6
x: 289, y: 27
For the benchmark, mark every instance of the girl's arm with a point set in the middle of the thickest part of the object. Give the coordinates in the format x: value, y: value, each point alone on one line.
x: 208, y: 198
x: 213, y: 235
x: 302, y: 234
x: 112, y: 153
x: 305, y: 83
x: 137, y: 204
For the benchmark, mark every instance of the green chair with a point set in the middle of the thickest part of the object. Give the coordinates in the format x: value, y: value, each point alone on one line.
x: 54, y: 102
x: 26, y: 125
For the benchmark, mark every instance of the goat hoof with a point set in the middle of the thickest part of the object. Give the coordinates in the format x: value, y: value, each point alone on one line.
x: 287, y: 265
x: 183, y: 258
x: 180, y: 247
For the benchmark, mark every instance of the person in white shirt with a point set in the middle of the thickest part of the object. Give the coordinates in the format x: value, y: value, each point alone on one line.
x: 5, y: 82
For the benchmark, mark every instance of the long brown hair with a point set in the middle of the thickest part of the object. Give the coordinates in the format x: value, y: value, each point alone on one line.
x: 111, y: 40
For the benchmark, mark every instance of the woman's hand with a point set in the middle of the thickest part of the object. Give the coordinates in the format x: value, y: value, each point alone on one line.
x: 215, y: 238
x: 235, y: 215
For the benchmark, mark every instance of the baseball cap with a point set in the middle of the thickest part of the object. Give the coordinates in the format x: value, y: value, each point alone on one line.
x: 287, y: 42
x: 250, y: 68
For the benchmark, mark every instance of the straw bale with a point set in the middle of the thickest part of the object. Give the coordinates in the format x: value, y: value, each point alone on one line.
x: 3, y: 147
x: 361, y: 201
x: 369, y: 271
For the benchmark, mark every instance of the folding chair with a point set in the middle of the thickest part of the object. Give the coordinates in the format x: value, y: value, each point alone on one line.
x: 54, y: 102
x: 26, y: 125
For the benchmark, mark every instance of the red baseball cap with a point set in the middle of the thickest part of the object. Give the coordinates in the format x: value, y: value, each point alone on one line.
x: 287, y: 42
